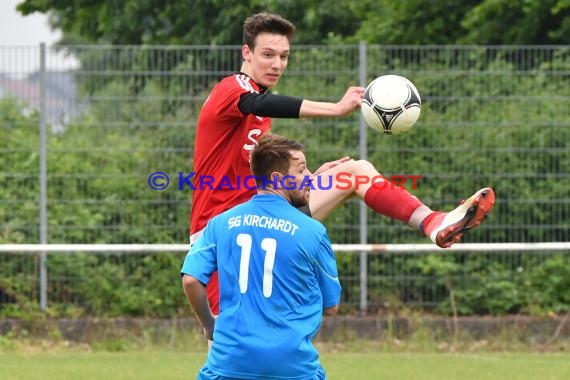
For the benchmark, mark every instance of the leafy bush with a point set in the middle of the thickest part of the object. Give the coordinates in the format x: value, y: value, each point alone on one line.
x: 482, y: 124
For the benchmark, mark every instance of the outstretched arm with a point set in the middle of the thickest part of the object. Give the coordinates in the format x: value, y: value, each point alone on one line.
x: 349, y: 102
x: 283, y: 106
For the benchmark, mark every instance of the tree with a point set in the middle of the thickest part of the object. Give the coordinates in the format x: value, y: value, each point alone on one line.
x: 520, y: 22
x: 472, y: 22
x: 154, y: 22
x: 411, y: 22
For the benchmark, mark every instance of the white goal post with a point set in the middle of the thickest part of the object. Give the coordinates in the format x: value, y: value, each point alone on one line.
x: 370, y: 248
x: 363, y: 250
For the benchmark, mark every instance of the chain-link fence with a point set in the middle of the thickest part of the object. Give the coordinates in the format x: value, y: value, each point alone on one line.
x: 80, y: 140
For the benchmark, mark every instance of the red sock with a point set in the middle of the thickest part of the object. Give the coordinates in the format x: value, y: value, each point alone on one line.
x: 427, y: 220
x: 387, y: 199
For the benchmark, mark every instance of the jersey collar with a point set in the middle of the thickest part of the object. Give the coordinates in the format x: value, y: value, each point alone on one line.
x: 261, y: 88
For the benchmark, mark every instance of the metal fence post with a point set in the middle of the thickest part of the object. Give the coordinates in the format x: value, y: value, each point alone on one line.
x: 43, y: 178
x: 363, y: 209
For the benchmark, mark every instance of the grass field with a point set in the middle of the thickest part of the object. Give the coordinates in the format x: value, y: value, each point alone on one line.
x: 173, y: 364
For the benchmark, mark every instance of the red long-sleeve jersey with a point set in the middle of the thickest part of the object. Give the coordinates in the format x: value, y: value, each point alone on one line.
x: 224, y: 139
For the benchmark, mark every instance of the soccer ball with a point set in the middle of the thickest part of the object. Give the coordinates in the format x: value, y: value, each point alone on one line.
x: 391, y: 104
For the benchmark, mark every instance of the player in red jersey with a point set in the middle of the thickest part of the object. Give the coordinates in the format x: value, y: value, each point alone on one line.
x: 238, y: 111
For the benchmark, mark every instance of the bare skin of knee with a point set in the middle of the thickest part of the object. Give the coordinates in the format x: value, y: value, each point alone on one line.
x: 350, y: 178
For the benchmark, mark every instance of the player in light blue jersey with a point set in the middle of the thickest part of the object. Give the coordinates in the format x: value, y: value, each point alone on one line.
x: 277, y: 275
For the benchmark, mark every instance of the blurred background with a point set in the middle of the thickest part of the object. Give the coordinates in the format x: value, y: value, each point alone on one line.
x: 86, y: 117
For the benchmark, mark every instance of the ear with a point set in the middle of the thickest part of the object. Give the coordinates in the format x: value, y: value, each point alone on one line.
x: 276, y: 179
x: 246, y: 52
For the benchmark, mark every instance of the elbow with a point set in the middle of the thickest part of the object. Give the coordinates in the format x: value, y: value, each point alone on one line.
x: 330, y: 310
x: 188, y: 282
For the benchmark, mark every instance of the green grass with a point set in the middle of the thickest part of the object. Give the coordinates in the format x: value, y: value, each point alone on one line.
x: 438, y: 366
x: 74, y: 364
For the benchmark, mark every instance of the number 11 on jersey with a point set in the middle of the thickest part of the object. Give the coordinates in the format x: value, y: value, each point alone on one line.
x: 269, y: 245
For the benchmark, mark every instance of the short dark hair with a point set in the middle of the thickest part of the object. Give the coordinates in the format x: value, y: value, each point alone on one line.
x: 265, y: 22
x: 272, y: 154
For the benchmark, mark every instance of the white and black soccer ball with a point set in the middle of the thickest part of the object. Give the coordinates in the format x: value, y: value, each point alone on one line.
x: 391, y: 104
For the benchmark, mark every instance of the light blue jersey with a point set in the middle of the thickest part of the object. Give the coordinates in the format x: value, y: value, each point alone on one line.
x: 277, y: 272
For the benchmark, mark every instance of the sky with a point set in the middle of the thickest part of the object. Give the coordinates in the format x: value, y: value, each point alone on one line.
x: 28, y: 31
x: 16, y: 29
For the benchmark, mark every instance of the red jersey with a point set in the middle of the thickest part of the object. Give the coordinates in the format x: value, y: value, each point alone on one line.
x: 224, y: 139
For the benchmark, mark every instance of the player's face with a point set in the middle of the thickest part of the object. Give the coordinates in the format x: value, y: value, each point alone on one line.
x: 299, y: 196
x: 267, y: 61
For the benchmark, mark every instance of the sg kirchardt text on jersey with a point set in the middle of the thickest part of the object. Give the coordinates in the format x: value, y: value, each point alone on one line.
x: 263, y: 221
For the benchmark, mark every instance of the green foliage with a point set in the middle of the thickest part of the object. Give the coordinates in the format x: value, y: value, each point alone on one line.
x: 490, y: 291
x: 473, y: 22
x: 548, y: 285
x: 159, y: 22
x: 19, y: 142
x: 537, y: 22
x: 483, y: 115
x: 113, y: 285
x: 416, y: 22
x: 411, y: 22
